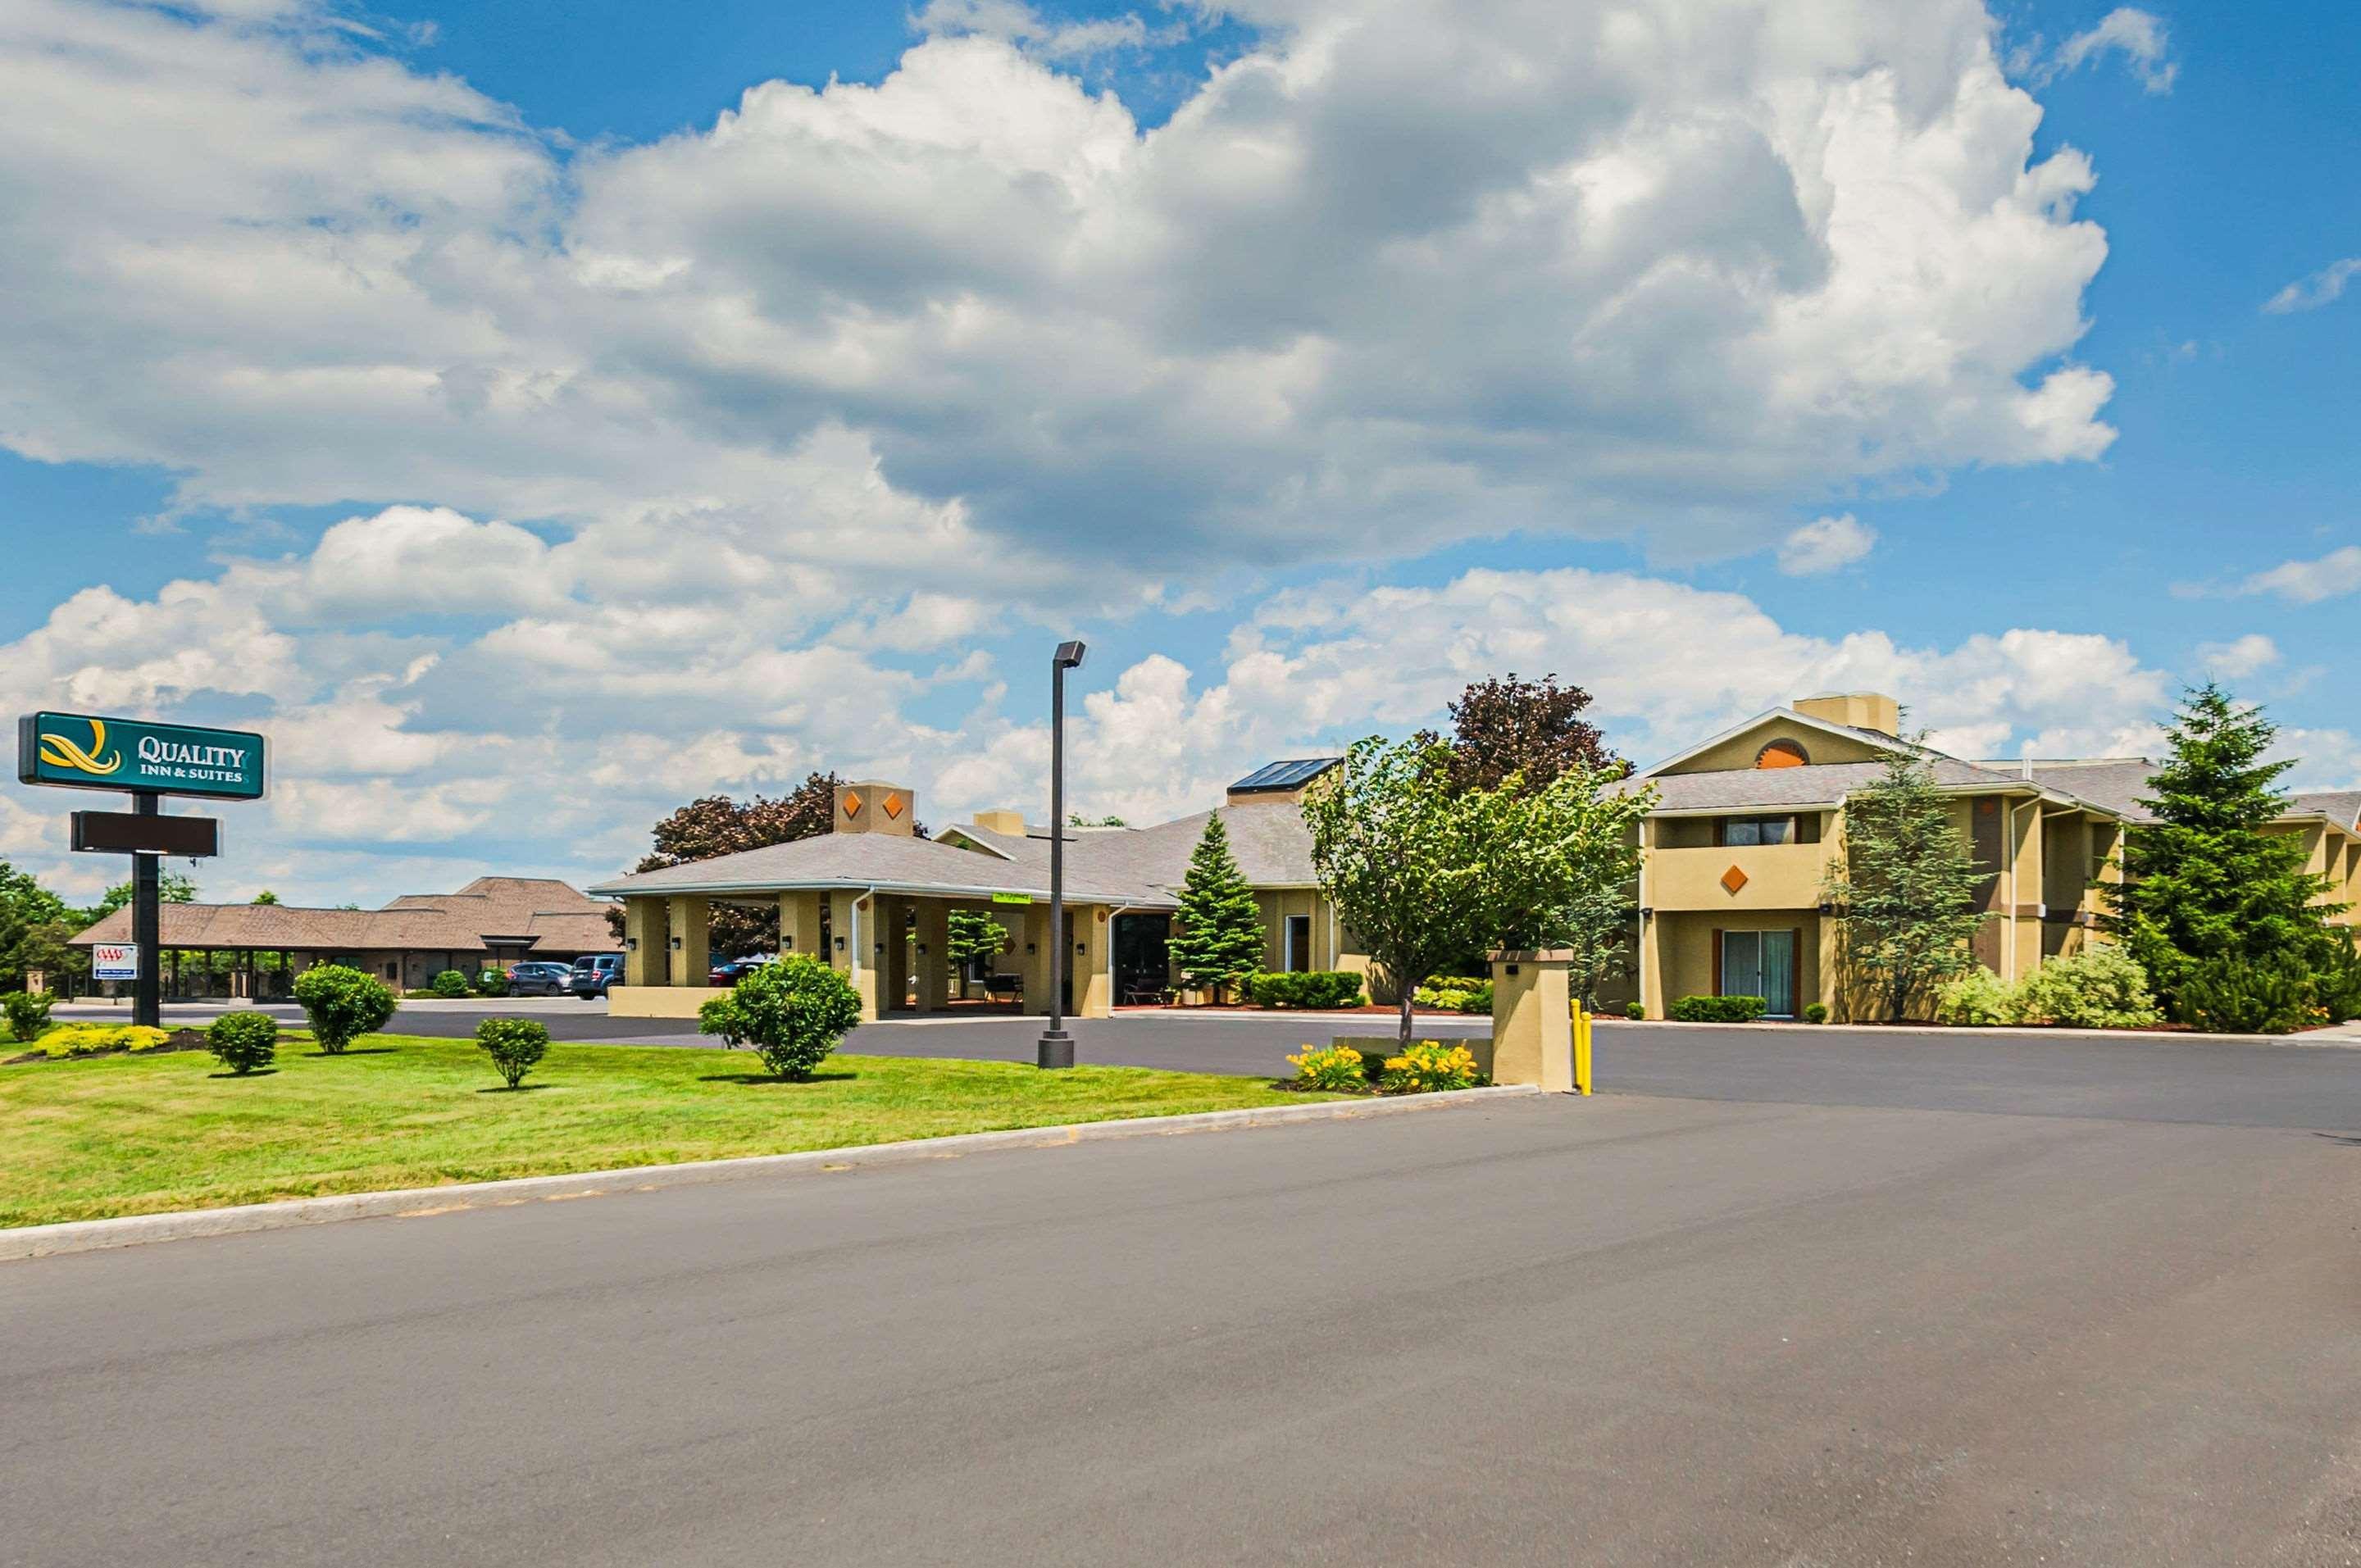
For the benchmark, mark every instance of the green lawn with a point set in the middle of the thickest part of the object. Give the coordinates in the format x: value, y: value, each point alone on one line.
x: 104, y: 1135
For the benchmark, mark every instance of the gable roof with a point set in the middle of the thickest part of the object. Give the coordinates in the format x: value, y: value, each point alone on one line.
x: 539, y: 912
x: 1875, y: 737
x: 1815, y: 783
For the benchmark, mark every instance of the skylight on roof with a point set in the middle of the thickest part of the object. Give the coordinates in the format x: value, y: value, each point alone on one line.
x: 1292, y: 773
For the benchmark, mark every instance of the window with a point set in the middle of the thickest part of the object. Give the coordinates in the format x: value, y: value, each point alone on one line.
x: 1757, y: 831
x: 1298, y: 953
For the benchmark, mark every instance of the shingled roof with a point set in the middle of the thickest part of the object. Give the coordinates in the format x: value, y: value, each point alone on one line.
x: 539, y: 914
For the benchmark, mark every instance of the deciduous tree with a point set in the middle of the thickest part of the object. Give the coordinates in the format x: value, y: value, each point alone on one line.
x: 717, y: 824
x: 1503, y: 725
x: 1423, y: 871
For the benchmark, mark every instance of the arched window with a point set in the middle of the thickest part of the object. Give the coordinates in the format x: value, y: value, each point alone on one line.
x: 1781, y: 753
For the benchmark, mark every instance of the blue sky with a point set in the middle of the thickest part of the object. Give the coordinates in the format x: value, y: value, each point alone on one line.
x: 1307, y: 357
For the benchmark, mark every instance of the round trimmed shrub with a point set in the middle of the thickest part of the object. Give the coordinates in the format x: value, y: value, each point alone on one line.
x: 342, y: 1004
x: 493, y: 983
x: 243, y: 1041
x: 1635, y: 1011
x: 513, y: 1043
x: 28, y: 1015
x: 450, y: 985
x: 791, y: 1014
x: 1817, y: 1013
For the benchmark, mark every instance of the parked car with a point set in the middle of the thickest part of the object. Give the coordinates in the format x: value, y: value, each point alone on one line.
x: 730, y: 971
x: 591, y: 977
x: 540, y: 977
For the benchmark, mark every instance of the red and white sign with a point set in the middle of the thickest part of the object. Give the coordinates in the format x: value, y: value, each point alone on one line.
x: 114, y: 960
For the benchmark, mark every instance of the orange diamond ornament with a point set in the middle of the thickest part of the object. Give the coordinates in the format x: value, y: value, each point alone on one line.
x: 1732, y: 880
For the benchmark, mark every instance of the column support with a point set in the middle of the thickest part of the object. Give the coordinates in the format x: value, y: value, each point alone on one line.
x: 1532, y: 1020
x: 689, y: 919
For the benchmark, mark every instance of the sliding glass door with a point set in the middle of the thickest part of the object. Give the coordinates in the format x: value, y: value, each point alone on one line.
x: 1761, y: 963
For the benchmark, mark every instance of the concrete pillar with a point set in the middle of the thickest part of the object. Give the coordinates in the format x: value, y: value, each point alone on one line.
x: 643, y: 941
x: 1092, y: 958
x: 1532, y: 1020
x: 800, y: 924
x: 691, y: 926
x: 934, y: 954
x: 1032, y: 955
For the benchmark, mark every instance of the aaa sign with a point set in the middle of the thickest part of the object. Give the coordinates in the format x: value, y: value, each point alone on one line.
x: 81, y: 751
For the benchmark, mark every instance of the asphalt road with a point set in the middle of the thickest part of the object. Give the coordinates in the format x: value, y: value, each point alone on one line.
x: 1629, y: 1330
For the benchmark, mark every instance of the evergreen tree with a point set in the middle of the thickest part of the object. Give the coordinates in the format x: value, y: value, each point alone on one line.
x: 2207, y: 880
x: 1220, y: 940
x: 1907, y: 889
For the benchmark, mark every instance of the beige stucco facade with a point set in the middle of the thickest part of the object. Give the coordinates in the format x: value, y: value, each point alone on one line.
x: 1717, y: 905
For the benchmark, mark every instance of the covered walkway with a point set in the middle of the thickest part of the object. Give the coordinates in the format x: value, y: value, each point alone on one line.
x: 875, y: 899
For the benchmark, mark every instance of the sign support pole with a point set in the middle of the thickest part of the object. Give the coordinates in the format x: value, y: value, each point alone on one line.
x: 147, y: 923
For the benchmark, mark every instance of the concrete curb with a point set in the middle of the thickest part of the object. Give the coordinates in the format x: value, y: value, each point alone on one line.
x: 417, y: 1202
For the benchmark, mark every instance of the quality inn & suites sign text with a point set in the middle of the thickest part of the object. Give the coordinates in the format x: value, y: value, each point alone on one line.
x: 81, y: 751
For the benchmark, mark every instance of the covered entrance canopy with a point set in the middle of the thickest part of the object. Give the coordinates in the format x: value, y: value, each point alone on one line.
x: 874, y: 901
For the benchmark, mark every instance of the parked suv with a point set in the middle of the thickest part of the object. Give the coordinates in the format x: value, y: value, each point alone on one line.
x: 593, y: 975
x: 539, y: 977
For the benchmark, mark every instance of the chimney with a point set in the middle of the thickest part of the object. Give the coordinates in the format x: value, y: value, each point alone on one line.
x: 1010, y: 824
x: 872, y: 807
x: 1860, y: 710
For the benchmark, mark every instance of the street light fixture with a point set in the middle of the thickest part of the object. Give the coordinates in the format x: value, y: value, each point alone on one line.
x: 1056, y: 1047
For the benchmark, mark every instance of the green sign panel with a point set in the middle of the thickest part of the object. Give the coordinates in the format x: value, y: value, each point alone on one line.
x: 86, y: 752
x: 1011, y: 898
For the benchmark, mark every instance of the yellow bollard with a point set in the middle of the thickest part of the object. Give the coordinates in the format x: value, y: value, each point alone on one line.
x: 1581, y: 1048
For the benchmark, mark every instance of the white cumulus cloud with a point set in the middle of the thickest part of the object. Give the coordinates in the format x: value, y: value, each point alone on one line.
x: 1826, y: 544
x: 2332, y: 575
x: 1400, y: 273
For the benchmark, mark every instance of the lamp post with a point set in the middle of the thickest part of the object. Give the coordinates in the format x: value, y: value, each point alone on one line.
x: 1056, y: 1047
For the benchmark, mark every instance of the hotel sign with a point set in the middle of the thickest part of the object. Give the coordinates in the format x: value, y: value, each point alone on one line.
x: 81, y: 752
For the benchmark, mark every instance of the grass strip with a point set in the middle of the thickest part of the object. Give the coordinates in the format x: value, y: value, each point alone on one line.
x: 92, y: 1138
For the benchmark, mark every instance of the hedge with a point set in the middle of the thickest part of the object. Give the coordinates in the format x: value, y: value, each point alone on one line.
x: 1305, y: 988
x: 1719, y: 1009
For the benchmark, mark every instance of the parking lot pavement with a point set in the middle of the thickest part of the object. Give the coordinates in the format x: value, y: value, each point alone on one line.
x: 2136, y: 1078
x: 1627, y: 1330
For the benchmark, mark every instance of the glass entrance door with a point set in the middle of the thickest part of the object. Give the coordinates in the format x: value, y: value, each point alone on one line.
x: 1761, y: 963
x: 1779, y: 974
